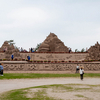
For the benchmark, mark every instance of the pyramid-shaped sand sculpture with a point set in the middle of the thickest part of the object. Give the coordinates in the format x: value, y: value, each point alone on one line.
x: 4, y: 46
x: 10, y: 49
x: 52, y: 44
x: 94, y: 52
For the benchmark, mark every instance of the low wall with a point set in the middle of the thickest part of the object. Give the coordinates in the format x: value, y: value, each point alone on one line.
x: 51, y: 56
x: 25, y: 66
x: 55, y: 56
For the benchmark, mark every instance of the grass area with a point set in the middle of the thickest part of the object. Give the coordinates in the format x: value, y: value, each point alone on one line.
x: 37, y: 75
x: 78, y: 95
x: 20, y: 94
x: 62, y: 87
x: 82, y: 89
x: 41, y: 92
x: 14, y: 95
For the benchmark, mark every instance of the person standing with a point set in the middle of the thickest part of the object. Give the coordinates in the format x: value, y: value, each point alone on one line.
x: 77, y: 68
x: 31, y: 49
x: 81, y: 73
x: 12, y: 56
x: 70, y: 50
x: 1, y: 69
x: 28, y: 57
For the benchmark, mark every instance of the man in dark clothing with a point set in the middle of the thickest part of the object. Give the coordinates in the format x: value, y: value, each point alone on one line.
x: 31, y: 49
x: 1, y: 70
x: 28, y: 57
x: 12, y: 57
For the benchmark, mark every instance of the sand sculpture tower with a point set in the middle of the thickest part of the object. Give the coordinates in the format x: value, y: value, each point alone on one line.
x: 94, y: 52
x: 4, y: 46
x: 8, y: 53
x: 10, y: 49
x: 52, y: 44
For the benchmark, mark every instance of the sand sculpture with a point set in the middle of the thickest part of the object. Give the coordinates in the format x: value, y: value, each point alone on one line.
x: 4, y: 46
x: 10, y: 49
x: 52, y: 44
x: 94, y: 52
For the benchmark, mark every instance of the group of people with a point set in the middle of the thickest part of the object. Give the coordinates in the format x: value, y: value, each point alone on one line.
x: 31, y: 49
x: 81, y: 70
x: 1, y: 70
x: 12, y: 57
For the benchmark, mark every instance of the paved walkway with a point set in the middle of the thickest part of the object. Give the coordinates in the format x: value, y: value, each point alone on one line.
x: 6, y: 85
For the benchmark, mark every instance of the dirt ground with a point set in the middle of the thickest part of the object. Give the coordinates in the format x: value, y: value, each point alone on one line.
x: 6, y: 85
x: 67, y: 92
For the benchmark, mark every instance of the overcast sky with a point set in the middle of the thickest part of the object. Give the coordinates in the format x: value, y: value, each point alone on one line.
x: 29, y: 22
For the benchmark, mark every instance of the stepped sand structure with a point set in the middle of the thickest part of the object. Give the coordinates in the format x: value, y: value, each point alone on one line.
x: 4, y: 46
x: 94, y: 52
x: 9, y: 50
x: 52, y: 44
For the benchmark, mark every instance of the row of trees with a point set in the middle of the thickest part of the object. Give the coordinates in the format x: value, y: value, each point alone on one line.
x: 83, y: 50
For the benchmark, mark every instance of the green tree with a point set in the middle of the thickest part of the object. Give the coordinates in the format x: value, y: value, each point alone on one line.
x: 11, y: 42
x: 83, y: 50
x: 38, y: 45
x: 76, y: 50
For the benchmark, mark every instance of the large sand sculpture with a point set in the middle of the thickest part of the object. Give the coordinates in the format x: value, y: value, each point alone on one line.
x: 94, y: 52
x: 52, y: 44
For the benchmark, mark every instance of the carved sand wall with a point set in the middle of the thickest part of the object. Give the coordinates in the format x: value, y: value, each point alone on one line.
x: 55, y: 56
x: 50, y: 67
x: 52, y: 56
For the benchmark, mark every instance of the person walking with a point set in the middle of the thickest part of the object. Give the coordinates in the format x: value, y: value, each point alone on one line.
x: 81, y: 73
x: 1, y: 69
